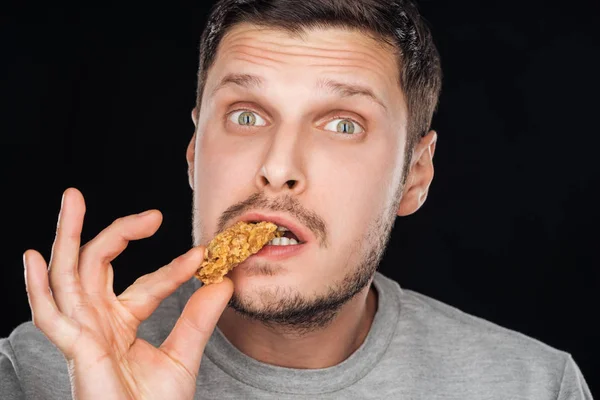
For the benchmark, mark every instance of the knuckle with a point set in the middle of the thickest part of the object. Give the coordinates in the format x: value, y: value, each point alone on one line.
x: 165, y: 271
x: 183, y: 258
x: 118, y: 221
x: 200, y: 330
x: 141, y: 280
x: 120, y: 228
x: 42, y: 321
x: 169, y: 274
x: 63, y: 280
x: 72, y: 235
x: 151, y: 297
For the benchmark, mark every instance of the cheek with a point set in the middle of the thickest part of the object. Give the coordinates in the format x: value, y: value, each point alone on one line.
x: 354, y: 185
x: 352, y: 180
x: 224, y: 162
x: 224, y: 176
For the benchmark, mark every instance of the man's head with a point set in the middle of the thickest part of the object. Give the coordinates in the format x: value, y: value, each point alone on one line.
x: 317, y: 111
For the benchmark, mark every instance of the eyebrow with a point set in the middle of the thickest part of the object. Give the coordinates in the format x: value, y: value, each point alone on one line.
x: 243, y: 80
x: 342, y: 89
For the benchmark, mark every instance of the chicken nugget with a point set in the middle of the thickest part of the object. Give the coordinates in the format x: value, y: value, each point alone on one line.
x: 232, y: 246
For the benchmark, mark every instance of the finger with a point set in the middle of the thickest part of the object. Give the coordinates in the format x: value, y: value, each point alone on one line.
x: 45, y: 314
x: 147, y: 292
x: 97, y: 254
x: 63, y: 278
x: 110, y: 275
x: 186, y: 342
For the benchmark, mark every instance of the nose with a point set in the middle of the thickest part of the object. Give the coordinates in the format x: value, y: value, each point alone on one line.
x: 282, y: 171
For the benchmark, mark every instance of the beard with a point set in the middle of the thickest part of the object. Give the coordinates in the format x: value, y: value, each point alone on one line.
x: 293, y: 312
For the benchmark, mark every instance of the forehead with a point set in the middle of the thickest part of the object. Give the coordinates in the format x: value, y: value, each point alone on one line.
x: 278, y: 55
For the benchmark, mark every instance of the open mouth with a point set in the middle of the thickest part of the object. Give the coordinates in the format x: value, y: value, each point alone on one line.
x: 288, y: 237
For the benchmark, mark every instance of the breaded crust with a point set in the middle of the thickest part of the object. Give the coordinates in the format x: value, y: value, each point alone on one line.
x: 233, y: 246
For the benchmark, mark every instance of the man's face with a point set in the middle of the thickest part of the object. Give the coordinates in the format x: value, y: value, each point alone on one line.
x: 293, y: 145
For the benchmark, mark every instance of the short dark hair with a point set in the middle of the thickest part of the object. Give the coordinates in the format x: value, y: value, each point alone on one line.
x: 395, y: 23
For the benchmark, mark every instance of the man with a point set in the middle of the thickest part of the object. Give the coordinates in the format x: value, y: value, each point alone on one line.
x: 314, y: 115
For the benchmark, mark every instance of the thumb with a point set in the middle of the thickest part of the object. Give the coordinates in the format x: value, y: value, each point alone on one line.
x: 186, y: 342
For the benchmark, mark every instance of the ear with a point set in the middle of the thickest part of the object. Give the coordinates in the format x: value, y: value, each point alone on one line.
x: 191, y: 149
x: 420, y: 175
x: 195, y: 116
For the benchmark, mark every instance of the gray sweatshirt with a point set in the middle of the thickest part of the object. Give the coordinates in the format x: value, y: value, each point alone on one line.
x: 417, y: 348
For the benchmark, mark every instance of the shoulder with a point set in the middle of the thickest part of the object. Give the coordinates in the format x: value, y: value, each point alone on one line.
x: 492, y: 355
x: 447, y: 327
x: 471, y: 334
x: 33, y: 351
x: 460, y: 348
x: 38, y: 366
x: 28, y: 342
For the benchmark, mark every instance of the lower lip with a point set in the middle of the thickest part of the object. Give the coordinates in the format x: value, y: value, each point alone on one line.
x: 277, y: 253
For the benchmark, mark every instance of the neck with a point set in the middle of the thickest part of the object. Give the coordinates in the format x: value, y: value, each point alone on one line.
x: 324, y: 348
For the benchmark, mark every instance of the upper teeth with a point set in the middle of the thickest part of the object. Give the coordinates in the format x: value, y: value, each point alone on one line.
x: 282, y: 241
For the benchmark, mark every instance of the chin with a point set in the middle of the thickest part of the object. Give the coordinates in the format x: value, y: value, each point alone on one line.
x: 251, y: 277
x: 257, y: 273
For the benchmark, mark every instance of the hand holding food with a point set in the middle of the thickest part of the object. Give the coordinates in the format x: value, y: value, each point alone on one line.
x: 74, y: 305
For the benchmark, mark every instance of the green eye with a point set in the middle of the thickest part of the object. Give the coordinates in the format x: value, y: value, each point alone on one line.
x: 345, y: 126
x: 246, y: 118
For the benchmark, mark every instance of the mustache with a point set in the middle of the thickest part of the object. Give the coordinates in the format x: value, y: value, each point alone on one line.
x: 285, y: 203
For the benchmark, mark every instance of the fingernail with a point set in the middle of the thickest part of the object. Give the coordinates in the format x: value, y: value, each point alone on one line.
x: 145, y: 213
x: 25, y: 260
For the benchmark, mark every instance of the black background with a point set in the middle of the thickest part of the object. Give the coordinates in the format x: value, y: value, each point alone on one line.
x: 99, y: 98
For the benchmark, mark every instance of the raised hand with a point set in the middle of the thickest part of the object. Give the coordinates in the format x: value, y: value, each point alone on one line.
x: 74, y: 304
